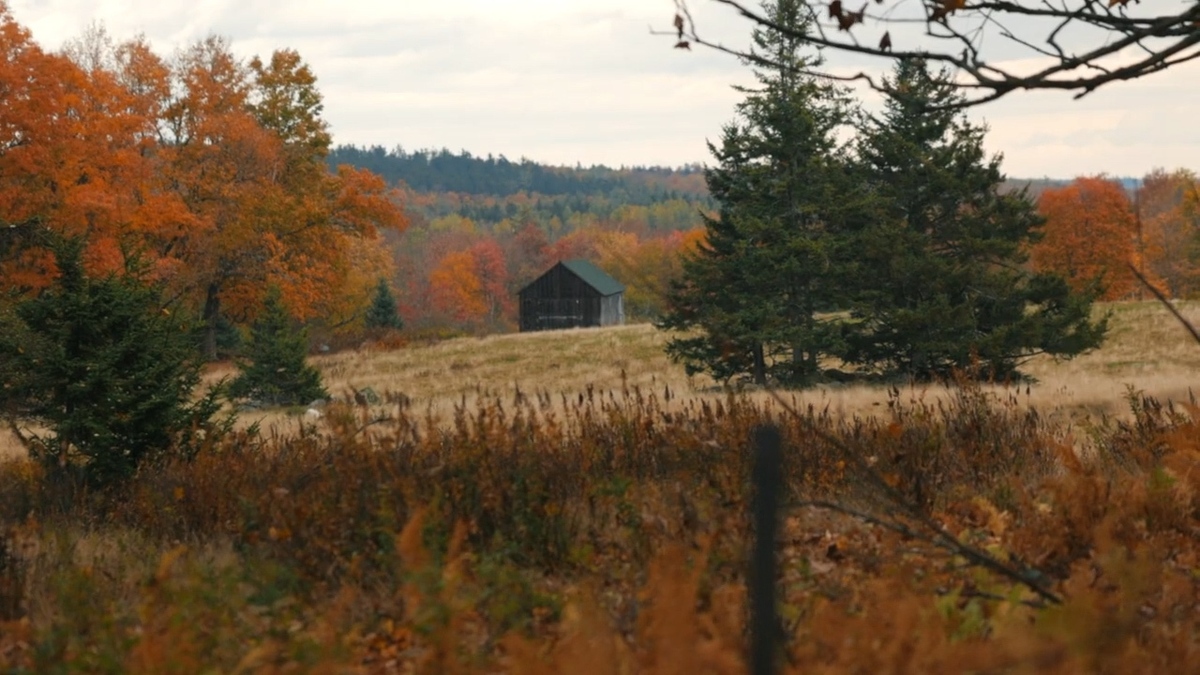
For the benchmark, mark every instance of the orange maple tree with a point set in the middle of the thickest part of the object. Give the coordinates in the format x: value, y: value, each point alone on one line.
x: 455, y: 288
x: 74, y: 158
x: 1090, y: 235
x: 211, y: 168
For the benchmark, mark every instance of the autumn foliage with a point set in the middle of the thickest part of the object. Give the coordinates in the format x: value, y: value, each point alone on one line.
x: 1168, y: 205
x: 209, y: 167
x: 397, y: 542
x: 1090, y: 236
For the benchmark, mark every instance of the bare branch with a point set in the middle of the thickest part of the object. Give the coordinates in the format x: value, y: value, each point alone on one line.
x: 1085, y: 43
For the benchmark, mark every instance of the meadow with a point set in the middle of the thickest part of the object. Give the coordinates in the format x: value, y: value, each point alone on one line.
x: 573, y: 502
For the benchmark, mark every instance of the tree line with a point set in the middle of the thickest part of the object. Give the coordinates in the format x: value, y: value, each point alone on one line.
x: 444, y: 171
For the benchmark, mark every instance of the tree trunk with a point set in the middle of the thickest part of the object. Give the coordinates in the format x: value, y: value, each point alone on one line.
x: 212, y: 314
x: 760, y: 366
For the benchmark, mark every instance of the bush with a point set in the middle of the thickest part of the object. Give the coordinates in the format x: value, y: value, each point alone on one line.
x: 277, y: 373
x: 102, y: 365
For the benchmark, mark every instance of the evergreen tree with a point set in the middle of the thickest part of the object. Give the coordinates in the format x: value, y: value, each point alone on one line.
x: 946, y: 282
x: 382, y: 312
x: 277, y: 373
x: 104, y: 367
x: 750, y: 296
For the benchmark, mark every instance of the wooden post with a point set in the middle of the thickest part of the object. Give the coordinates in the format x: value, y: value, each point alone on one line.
x: 766, y: 480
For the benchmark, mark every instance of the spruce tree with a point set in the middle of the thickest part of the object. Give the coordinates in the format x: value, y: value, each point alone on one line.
x: 749, y: 298
x: 277, y: 373
x: 944, y: 281
x: 104, y: 367
x: 382, y: 313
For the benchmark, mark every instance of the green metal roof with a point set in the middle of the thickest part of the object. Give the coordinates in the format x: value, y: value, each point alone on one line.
x: 594, y: 276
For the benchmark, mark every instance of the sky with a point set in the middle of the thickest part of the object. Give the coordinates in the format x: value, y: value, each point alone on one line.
x: 584, y: 81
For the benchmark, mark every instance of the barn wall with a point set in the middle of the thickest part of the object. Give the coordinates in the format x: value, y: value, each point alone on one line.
x: 612, y: 310
x: 559, y: 299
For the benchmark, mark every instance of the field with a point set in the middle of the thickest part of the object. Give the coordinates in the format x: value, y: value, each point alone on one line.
x: 573, y: 502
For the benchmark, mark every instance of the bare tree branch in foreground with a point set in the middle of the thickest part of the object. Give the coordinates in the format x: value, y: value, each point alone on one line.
x: 994, y: 47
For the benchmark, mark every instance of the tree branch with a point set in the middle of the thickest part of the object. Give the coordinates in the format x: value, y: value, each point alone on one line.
x: 955, y: 32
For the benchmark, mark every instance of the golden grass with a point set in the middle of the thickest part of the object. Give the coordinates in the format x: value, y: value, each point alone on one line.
x: 1147, y: 349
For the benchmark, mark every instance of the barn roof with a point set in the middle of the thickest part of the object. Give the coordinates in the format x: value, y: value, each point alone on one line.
x: 594, y: 276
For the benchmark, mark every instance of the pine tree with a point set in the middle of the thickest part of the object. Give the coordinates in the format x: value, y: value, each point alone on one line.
x: 382, y: 312
x: 751, y: 295
x: 944, y: 282
x: 277, y: 373
x: 104, y: 367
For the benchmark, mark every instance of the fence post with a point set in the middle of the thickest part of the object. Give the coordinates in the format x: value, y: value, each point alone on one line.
x: 766, y: 482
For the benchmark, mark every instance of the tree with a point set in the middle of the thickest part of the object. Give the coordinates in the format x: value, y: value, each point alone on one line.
x: 104, y: 366
x: 1090, y: 236
x: 382, y: 312
x: 492, y: 270
x: 1085, y: 44
x: 277, y: 373
x: 456, y: 290
x: 72, y: 158
x: 749, y: 299
x: 1169, y: 221
x: 942, y: 284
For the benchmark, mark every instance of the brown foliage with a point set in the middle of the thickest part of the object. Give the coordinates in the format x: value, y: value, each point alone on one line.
x: 606, y: 532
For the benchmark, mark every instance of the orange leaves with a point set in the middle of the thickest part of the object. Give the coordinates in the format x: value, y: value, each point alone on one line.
x: 456, y: 289
x: 1090, y: 233
x: 213, y: 170
x: 646, y: 266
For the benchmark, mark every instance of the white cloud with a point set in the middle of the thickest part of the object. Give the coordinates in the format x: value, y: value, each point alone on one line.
x: 569, y: 81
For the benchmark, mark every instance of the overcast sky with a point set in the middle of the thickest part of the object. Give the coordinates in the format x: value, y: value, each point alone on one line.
x: 567, y: 81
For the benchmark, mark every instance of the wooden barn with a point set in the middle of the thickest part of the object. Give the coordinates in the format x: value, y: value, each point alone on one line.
x: 572, y: 294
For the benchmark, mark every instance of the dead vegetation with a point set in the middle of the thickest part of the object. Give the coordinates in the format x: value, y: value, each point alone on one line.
x: 539, y: 525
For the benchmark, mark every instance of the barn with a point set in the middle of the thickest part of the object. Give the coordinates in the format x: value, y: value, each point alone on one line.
x: 572, y: 294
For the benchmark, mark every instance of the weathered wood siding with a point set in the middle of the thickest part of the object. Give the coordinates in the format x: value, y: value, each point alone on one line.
x: 560, y: 299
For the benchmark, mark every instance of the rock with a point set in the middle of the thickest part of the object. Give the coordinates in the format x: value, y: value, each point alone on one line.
x: 312, y: 414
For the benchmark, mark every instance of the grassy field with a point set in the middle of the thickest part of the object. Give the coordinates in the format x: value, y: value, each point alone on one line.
x: 1147, y: 349
x: 573, y: 502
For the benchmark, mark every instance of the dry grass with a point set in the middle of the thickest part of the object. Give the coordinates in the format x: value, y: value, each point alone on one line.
x: 1146, y: 349
x: 538, y: 536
